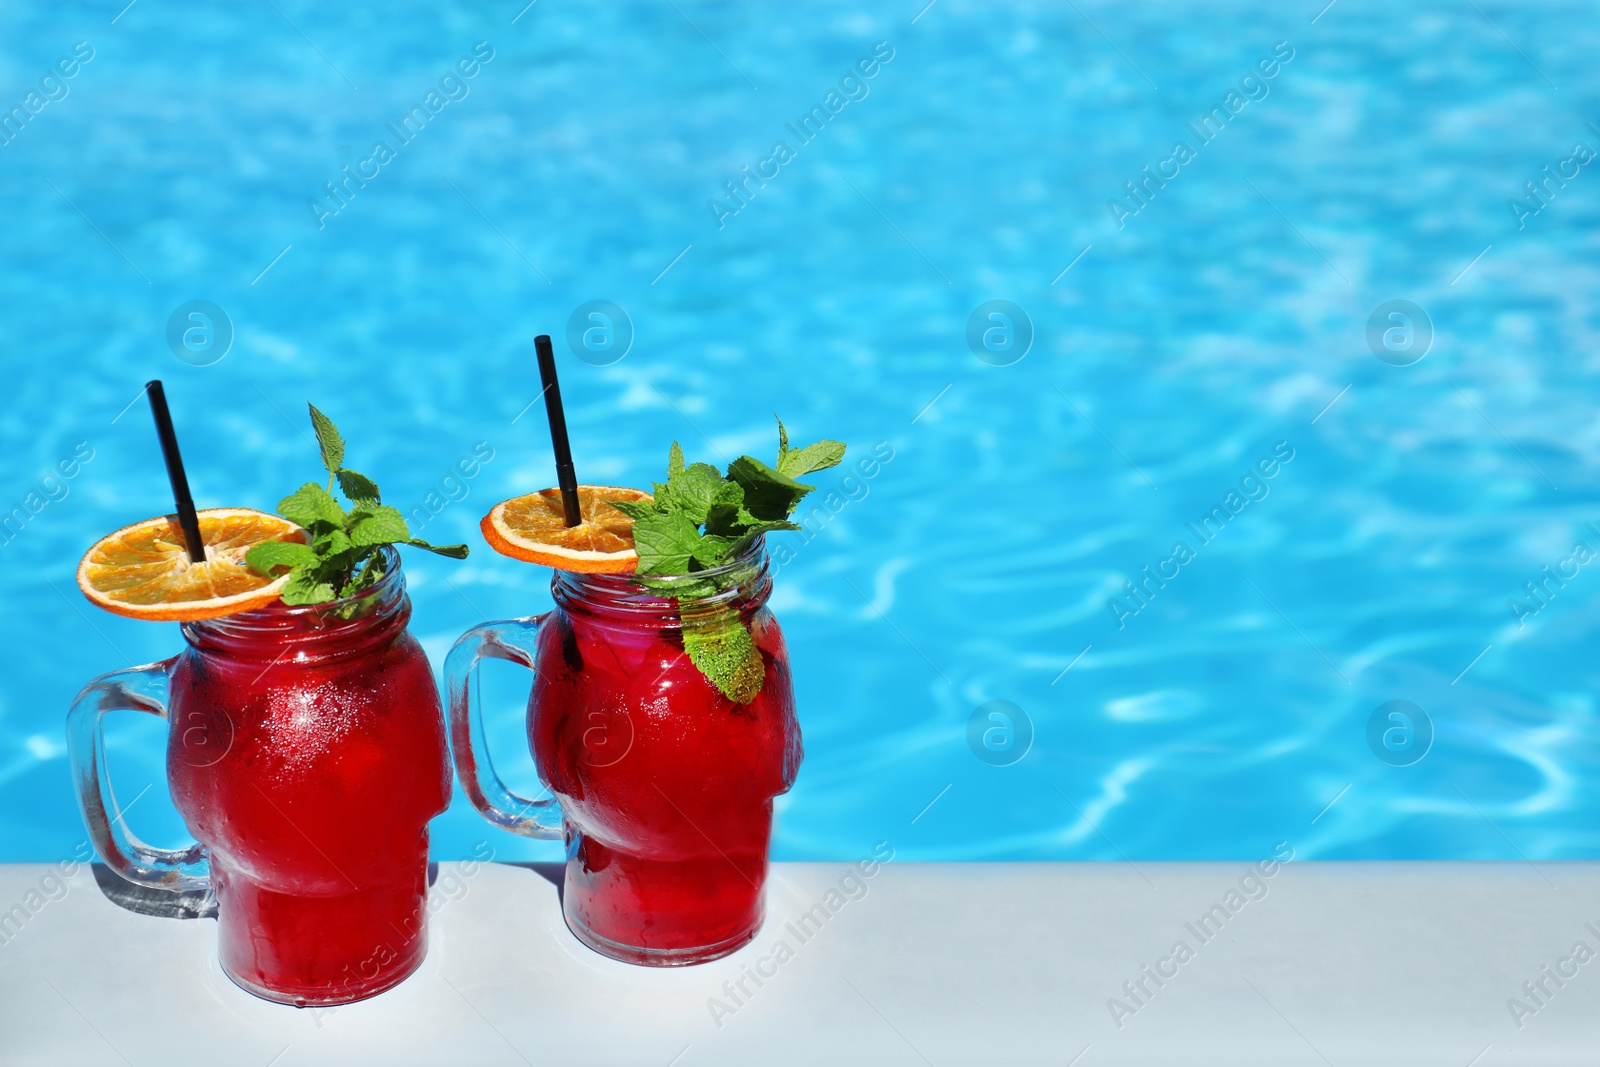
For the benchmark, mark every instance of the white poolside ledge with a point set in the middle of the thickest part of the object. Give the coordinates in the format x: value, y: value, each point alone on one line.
x: 1339, y: 963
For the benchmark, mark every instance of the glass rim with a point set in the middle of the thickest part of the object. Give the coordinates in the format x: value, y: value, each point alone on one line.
x: 279, y: 611
x: 629, y: 590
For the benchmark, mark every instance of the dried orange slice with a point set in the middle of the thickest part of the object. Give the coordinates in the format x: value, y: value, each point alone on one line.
x: 143, y: 571
x: 533, y: 528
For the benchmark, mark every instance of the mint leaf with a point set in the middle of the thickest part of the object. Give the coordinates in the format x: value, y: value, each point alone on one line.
x: 309, y: 504
x: 384, y: 525
x: 665, y: 543
x: 727, y: 516
x: 680, y: 586
x: 768, y: 494
x: 677, y: 558
x: 691, y: 490
x: 358, y: 488
x: 820, y: 456
x: 722, y: 649
x: 328, y: 440
x: 756, y: 530
x: 712, y: 550
x: 306, y: 587
x: 330, y: 541
x: 345, y: 555
x: 453, y: 551
x: 635, y: 509
x: 371, y: 571
x: 794, y: 462
x: 270, y: 555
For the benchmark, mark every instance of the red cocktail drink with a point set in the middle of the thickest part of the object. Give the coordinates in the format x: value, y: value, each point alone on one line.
x: 667, y: 785
x: 307, y: 755
x: 664, y: 785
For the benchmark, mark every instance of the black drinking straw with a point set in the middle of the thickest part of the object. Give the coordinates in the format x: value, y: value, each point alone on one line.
x: 180, y: 481
x: 566, y: 478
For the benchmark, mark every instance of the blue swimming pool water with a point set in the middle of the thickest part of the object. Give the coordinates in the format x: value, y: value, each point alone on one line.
x: 1224, y: 319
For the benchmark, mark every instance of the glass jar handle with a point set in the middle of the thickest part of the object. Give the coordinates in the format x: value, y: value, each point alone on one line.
x: 515, y: 640
x: 136, y: 689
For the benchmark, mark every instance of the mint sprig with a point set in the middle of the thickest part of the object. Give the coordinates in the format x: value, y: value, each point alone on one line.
x: 345, y: 553
x: 701, y: 519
